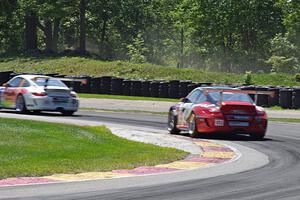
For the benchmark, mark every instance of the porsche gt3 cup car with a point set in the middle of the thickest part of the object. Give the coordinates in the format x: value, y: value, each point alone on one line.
x: 218, y: 109
x: 38, y: 93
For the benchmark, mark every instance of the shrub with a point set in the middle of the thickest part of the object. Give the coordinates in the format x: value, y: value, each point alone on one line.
x: 248, y: 78
x: 297, y: 77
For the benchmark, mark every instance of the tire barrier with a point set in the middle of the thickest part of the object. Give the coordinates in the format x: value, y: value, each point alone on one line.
x: 274, y: 101
x: 285, y: 98
x: 86, y: 88
x: 193, y: 86
x: 174, y: 89
x: 163, y: 91
x: 296, y: 98
x: 117, y: 86
x: 105, y: 84
x: 127, y: 87
x: 154, y: 89
x: 5, y: 76
x: 262, y: 99
x: 95, y: 85
x: 146, y: 88
x: 136, y: 88
x: 183, y: 88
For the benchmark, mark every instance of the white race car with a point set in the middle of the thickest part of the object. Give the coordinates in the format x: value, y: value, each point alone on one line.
x: 38, y: 93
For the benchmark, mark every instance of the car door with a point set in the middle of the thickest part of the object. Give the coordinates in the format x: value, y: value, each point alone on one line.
x: 186, y: 107
x: 11, y: 92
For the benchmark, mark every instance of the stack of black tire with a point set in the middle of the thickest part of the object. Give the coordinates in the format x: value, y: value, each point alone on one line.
x: 105, y: 85
x: 136, y: 88
x: 126, y: 87
x: 183, y: 88
x: 154, y: 88
x: 146, y: 88
x: 163, y: 91
x: 86, y: 87
x: 274, y: 100
x: 5, y: 76
x: 285, y: 98
x: 117, y: 86
x: 174, y: 89
x: 262, y: 99
x: 95, y: 85
x: 296, y: 98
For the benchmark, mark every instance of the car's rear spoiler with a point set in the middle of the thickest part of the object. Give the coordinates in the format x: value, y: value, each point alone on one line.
x: 256, y: 93
x: 82, y: 80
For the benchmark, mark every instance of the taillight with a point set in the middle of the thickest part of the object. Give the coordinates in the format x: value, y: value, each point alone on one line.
x: 39, y: 94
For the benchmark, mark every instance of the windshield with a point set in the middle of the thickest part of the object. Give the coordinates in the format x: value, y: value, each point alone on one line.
x: 214, y: 97
x: 41, y: 81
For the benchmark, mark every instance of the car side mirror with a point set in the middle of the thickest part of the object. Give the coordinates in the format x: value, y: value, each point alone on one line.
x: 185, y: 100
x: 6, y: 85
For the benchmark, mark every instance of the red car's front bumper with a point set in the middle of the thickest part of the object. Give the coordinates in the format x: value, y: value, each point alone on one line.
x: 222, y: 123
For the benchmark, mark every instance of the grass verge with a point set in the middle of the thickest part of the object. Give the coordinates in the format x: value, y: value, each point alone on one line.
x: 120, y: 97
x: 31, y: 148
x: 291, y: 120
x: 92, y: 67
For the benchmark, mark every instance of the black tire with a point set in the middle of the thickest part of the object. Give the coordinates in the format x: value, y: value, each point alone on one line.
x: 20, y: 104
x: 172, y: 122
x: 67, y: 113
x: 193, y: 133
x: 258, y: 135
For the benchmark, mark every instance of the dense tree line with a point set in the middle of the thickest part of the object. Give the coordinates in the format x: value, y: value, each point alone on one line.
x: 225, y: 35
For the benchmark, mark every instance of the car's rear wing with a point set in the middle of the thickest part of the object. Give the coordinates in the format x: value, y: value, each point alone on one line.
x: 81, y: 80
x: 256, y: 93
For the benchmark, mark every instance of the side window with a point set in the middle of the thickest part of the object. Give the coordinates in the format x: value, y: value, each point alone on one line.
x: 15, y: 82
x: 24, y: 83
x: 202, y: 98
x: 194, y: 96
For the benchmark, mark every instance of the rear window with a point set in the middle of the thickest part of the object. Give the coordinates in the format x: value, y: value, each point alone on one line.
x: 214, y: 97
x: 41, y: 81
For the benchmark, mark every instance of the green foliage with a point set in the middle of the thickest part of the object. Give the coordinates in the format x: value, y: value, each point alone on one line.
x: 92, y: 67
x: 224, y: 35
x: 283, y: 64
x: 248, y: 78
x: 137, y: 50
x: 297, y: 77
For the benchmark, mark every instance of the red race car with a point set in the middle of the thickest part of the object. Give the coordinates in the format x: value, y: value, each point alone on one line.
x: 218, y: 109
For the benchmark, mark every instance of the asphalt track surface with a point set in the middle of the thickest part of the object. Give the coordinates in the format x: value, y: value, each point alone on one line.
x: 280, y: 179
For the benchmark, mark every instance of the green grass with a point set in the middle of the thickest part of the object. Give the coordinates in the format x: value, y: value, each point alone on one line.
x: 88, y: 66
x: 107, y: 96
x: 31, y: 148
x: 291, y: 120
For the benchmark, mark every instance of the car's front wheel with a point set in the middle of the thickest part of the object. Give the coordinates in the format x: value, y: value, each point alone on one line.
x: 172, y: 123
x: 192, y: 126
x: 258, y: 135
x: 20, y: 104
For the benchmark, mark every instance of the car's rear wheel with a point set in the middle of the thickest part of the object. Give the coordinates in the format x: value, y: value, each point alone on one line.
x: 258, y: 135
x: 172, y: 123
x: 67, y: 113
x: 20, y: 104
x: 193, y: 132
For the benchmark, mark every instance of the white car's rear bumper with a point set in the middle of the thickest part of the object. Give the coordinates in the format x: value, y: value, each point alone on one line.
x: 51, y: 104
